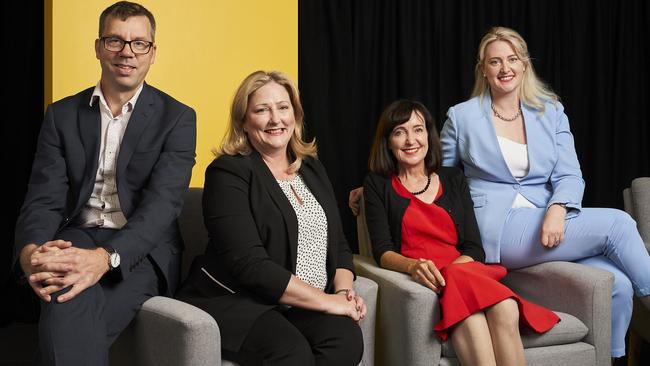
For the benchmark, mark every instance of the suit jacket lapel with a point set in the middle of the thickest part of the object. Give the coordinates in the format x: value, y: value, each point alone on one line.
x: 90, y: 122
x: 533, y: 132
x: 140, y: 119
x: 281, y: 201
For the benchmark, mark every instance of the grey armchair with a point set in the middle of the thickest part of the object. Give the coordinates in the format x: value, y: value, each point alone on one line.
x: 170, y: 332
x: 407, y: 312
x: 637, y: 204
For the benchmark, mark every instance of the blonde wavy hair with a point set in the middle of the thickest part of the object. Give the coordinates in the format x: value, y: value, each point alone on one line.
x: 235, y: 141
x: 532, y: 91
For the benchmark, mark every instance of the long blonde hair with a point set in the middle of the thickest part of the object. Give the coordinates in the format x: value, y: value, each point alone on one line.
x: 532, y: 91
x: 236, y: 142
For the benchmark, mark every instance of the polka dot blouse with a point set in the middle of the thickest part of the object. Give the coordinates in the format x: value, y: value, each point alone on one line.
x: 312, y: 232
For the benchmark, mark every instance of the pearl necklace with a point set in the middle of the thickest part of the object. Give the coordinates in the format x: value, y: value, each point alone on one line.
x: 504, y: 118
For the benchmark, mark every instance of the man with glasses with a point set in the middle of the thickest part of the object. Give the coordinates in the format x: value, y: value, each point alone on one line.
x: 97, y: 234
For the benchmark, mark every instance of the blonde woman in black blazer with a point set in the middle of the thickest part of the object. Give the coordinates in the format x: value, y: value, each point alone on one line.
x: 280, y: 290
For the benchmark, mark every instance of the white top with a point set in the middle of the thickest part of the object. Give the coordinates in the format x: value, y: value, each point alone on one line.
x: 312, y: 232
x: 516, y: 157
x: 103, y: 208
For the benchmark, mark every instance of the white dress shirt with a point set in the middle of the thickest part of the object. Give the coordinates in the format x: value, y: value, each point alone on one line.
x: 103, y: 208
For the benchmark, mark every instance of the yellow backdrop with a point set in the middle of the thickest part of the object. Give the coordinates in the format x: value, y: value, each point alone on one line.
x: 205, y: 49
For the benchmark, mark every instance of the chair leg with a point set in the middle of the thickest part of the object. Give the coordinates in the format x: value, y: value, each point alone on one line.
x: 633, y: 341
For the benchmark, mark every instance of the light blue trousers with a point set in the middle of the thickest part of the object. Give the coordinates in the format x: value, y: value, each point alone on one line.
x: 599, y: 237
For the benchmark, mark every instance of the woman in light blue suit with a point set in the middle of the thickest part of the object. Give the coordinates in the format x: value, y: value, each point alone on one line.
x: 513, y: 141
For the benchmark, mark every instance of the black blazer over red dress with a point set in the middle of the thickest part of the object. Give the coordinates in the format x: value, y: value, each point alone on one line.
x: 385, y: 210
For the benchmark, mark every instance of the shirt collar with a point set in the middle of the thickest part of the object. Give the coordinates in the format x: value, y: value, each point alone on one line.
x: 99, y: 95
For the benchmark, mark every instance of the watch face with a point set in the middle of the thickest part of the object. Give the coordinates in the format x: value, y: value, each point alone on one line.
x: 115, y: 260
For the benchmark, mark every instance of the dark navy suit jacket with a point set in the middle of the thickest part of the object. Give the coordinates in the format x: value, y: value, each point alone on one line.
x: 153, y: 172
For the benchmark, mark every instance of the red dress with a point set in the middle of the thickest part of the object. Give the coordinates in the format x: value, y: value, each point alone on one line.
x: 428, y: 232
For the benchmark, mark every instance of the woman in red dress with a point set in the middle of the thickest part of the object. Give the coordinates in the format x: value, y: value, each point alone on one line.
x: 421, y: 221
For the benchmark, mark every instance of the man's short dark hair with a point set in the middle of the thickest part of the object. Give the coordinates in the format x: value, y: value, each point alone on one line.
x: 124, y: 10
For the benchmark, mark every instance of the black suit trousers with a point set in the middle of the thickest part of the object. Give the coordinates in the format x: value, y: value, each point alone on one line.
x: 81, y: 330
x: 299, y: 337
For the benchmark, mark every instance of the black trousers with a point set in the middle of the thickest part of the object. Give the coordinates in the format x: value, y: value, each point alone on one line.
x: 80, y: 331
x: 300, y: 337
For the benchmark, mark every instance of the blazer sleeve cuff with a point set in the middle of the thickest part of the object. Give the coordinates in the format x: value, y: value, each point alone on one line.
x: 378, y: 253
x: 349, y: 265
x: 475, y: 252
x: 572, y: 209
x: 275, y: 285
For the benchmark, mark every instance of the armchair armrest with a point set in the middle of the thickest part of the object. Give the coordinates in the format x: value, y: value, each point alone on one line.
x: 582, y: 291
x: 405, y: 319
x: 169, y: 332
x: 367, y: 289
x: 640, y: 203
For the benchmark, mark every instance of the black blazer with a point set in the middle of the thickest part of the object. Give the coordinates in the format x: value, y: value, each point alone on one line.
x: 385, y: 211
x: 253, y: 244
x: 153, y: 172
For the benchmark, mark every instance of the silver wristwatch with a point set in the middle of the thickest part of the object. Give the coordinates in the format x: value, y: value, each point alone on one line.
x: 113, y: 258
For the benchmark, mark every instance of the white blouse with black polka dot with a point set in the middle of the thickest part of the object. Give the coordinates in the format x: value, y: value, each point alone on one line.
x: 312, y: 232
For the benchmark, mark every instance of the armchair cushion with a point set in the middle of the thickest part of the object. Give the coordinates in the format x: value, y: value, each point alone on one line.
x: 583, y: 291
x: 569, y: 330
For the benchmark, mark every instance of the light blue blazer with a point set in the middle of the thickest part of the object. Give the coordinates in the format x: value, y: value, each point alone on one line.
x: 469, y: 141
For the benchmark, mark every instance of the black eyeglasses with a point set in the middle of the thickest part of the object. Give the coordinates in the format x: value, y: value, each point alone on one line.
x: 115, y: 44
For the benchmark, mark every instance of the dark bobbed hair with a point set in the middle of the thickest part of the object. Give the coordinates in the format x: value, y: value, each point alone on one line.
x: 123, y: 10
x: 382, y: 161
